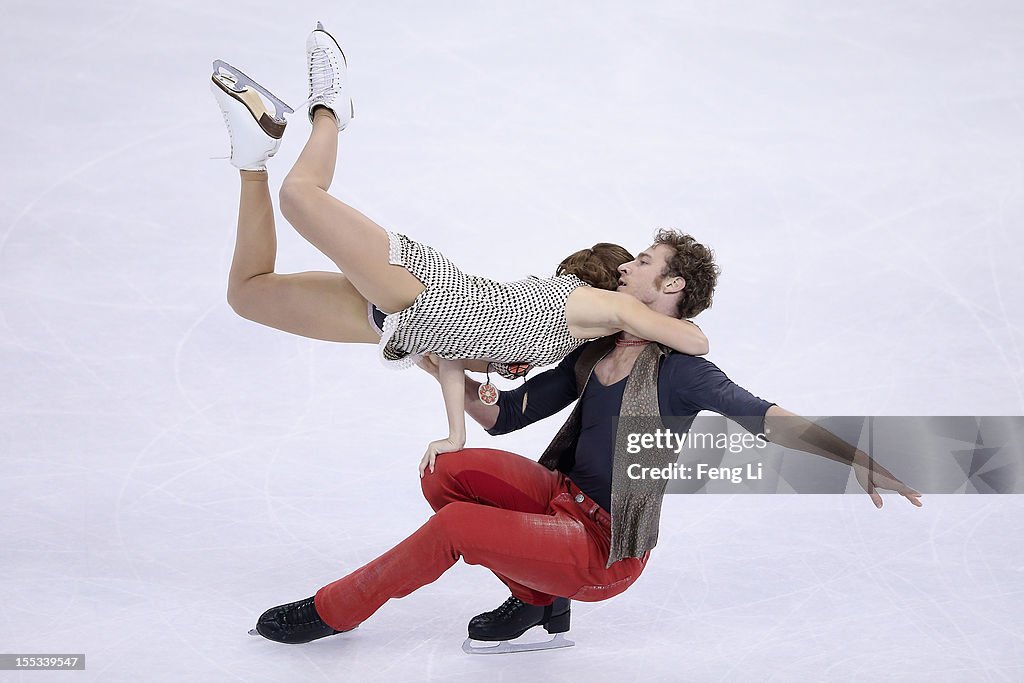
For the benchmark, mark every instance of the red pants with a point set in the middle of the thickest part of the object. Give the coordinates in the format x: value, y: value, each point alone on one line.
x: 532, y: 527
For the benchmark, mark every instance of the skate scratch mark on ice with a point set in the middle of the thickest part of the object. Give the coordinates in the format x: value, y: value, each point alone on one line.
x: 887, y: 219
x: 129, y: 476
x: 127, y: 553
x: 200, y: 463
x: 398, y: 644
x: 96, y: 161
x: 307, y: 655
x: 68, y: 353
x: 796, y: 276
x: 60, y: 297
x: 282, y: 501
x: 939, y: 527
x: 940, y: 282
x: 447, y: 50
x: 765, y: 639
x: 797, y: 610
x: 982, y: 661
x: 865, y: 568
x: 1015, y: 373
x: 197, y: 410
x: 102, y: 35
x: 1010, y: 580
x: 708, y: 519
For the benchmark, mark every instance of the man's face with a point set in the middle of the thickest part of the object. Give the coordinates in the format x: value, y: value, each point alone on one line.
x: 641, y: 277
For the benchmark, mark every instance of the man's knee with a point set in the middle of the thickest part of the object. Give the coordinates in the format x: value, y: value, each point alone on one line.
x: 440, y: 485
x: 449, y: 520
x: 437, y: 485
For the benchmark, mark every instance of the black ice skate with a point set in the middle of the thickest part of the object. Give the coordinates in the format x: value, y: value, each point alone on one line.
x: 513, y: 619
x: 296, y: 622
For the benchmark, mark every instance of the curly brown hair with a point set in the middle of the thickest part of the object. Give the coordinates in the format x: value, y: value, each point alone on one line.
x: 695, y: 263
x: 597, y: 266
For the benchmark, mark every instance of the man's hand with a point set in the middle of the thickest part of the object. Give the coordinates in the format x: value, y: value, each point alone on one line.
x: 435, y: 448
x: 792, y: 431
x: 871, y: 476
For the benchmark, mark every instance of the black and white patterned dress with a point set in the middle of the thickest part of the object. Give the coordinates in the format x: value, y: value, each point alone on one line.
x: 460, y: 316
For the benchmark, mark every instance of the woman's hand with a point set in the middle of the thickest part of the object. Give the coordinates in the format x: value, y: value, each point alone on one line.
x: 435, y: 448
x: 452, y: 377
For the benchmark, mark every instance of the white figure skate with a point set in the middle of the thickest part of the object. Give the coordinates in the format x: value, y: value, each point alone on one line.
x: 328, y: 76
x: 255, y: 132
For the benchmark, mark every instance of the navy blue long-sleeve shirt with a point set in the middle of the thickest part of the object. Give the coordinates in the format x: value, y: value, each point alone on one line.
x: 686, y: 385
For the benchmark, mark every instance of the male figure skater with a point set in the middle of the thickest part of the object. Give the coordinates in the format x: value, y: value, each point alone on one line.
x: 572, y: 525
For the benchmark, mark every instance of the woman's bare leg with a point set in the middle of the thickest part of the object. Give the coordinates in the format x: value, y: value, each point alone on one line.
x: 355, y: 243
x: 314, y: 304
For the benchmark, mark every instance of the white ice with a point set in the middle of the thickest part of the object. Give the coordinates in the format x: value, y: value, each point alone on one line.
x: 170, y: 470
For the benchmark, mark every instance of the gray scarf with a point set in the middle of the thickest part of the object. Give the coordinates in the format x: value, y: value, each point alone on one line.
x: 636, y: 504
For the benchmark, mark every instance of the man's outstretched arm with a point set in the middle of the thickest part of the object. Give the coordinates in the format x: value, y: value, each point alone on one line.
x: 792, y: 431
x: 698, y: 384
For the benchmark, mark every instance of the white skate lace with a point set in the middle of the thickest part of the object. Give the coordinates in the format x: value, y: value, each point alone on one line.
x: 321, y: 77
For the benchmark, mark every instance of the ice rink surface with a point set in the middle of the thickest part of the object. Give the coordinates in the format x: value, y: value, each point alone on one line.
x: 171, y: 470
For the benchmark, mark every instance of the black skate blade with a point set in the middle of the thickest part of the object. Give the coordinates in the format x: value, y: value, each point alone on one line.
x: 254, y: 632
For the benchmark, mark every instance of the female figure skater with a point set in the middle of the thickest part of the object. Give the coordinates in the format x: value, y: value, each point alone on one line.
x: 427, y: 304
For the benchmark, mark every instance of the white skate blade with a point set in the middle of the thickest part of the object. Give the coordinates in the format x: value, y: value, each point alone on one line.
x: 232, y: 78
x: 507, y: 646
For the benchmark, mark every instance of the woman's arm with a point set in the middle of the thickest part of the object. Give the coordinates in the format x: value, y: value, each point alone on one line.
x: 538, y: 398
x: 452, y: 376
x: 597, y: 313
x: 639, y: 320
x: 485, y: 415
